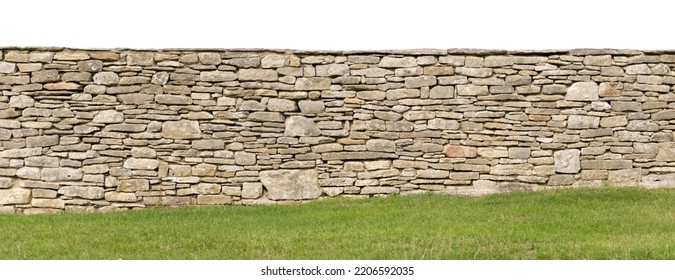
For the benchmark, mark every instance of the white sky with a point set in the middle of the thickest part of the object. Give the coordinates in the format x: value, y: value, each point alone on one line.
x: 339, y: 25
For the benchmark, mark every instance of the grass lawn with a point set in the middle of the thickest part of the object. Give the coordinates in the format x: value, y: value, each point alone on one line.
x: 599, y: 223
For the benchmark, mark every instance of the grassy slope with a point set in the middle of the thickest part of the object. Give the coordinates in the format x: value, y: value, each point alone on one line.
x: 564, y: 224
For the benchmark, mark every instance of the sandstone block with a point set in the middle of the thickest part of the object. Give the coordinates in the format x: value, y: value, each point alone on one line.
x: 120, y: 197
x: 42, y: 141
x: 209, y: 58
x: 442, y: 92
x: 453, y: 151
x: 332, y: 70
x: 214, y: 76
x: 266, y: 117
x: 7, y: 68
x: 472, y: 90
x: 421, y: 81
x: 106, y: 78
x: 281, y: 105
x: 140, y: 58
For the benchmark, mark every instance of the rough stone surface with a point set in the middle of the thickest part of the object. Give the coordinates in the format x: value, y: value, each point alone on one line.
x: 291, y: 184
x: 102, y: 130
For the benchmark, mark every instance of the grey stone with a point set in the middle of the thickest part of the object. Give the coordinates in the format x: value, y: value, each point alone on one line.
x: 396, y: 94
x: 472, y: 90
x: 301, y: 126
x: 90, y: 66
x: 399, y: 126
x: 606, y: 164
x: 45, y: 76
x: 181, y: 130
x: 332, y: 70
x: 266, y: 117
x: 397, y: 62
x: 160, y: 78
x: 141, y: 163
x: 173, y: 99
x: 623, y: 106
x: 109, y: 116
x: 82, y: 192
x: 498, y: 152
x: 21, y: 101
x: 244, y: 158
x: 133, y: 185
x: 442, y: 124
x: 209, y: 58
x: 120, y: 197
x: 583, y: 91
x: 442, y: 92
x: 639, y: 69
x: 421, y: 81
x: 582, y: 122
x: 371, y: 95
x: 251, y: 190
x: 14, y: 196
x: 217, y: 76
x: 21, y: 153
x: 7, y: 68
x: 664, y: 115
x: 311, y: 107
x: 474, y: 72
x: 5, y: 183
x: 357, y: 155
x: 567, y: 161
x: 598, y: 60
x: 433, y: 174
x: 274, y: 61
x: 140, y: 58
x: 61, y: 174
x: 42, y: 141
x: 291, y: 184
x: 32, y: 173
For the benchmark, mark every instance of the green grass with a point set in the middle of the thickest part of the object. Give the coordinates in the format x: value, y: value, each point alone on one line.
x: 601, y: 223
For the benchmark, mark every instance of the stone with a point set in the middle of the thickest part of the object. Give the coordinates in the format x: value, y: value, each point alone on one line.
x: 108, y: 116
x: 14, y: 196
x: 133, y: 185
x: 379, y: 190
x: 474, y: 72
x: 582, y: 122
x: 312, y: 84
x: 397, y: 62
x: 82, y: 192
x: 433, y: 174
x: 274, y: 61
x: 623, y: 106
x: 290, y: 184
x: 71, y: 55
x: 251, y: 190
x: 627, y: 176
x: 161, y: 78
x: 266, y: 117
x: 567, y: 161
x: 337, y: 182
x: 7, y: 68
x: 442, y: 92
x: 472, y: 90
x: 31, y: 173
x: 281, y: 105
x: 325, y: 148
x: 371, y: 95
x: 214, y: 199
x: 204, y: 169
x: 45, y: 76
x: 259, y: 75
x: 498, y: 152
x: 21, y: 153
x: 598, y: 60
x: 442, y: 124
x: 106, y: 78
x: 210, y: 144
x: 519, y: 153
x: 209, y: 58
x: 181, y: 130
x: 380, y: 145
x: 664, y: 115
x: 421, y: 81
x: 21, y: 101
x: 62, y: 86
x: 42, y: 141
x: 140, y: 58
x: 311, y: 107
x: 61, y: 174
x: 244, y: 158
x: 453, y: 151
x: 141, y: 163
x: 357, y: 155
x: 5, y: 183
x: 90, y: 66
x: 583, y: 91
x: 120, y: 197
x: 332, y: 70
x: 606, y: 164
x: 173, y: 99
x: 300, y: 126
x: 216, y: 76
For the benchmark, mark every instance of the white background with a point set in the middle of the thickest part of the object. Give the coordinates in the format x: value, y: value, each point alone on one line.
x: 338, y: 25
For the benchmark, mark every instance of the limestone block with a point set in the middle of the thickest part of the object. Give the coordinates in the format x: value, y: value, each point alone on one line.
x: 567, y: 161
x: 582, y: 91
x: 290, y: 184
x: 181, y: 130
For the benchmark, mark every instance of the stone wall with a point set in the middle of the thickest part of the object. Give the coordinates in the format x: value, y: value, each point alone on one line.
x: 84, y: 130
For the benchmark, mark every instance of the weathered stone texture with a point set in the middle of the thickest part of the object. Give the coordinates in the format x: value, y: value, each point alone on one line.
x: 121, y: 129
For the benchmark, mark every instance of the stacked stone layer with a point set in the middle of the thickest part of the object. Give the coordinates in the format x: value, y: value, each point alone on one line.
x: 85, y: 130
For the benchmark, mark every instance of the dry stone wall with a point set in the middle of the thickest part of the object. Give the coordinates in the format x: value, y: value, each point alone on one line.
x: 85, y: 130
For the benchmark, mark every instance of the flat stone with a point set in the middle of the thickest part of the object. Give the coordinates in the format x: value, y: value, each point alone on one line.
x: 442, y: 124
x: 598, y: 60
x: 251, y: 105
x: 666, y: 152
x: 291, y: 184
x: 141, y: 163
x: 31, y: 173
x: 61, y: 174
x: 214, y: 199
x: 433, y: 174
x: 126, y: 127
x: 453, y: 151
x: 62, y: 86
x: 266, y: 117
x: 143, y: 152
x: 400, y: 126
x: 106, y: 78
x: 332, y: 70
x: 14, y: 196
x: 210, y: 144
x: 301, y: 126
x: 209, y: 58
x: 397, y: 62
x: 329, y: 147
x: 5, y: 183
x: 21, y: 153
x: 664, y: 115
x: 281, y: 105
x: 498, y: 152
x: 7, y: 68
x: 216, y: 76
x: 82, y: 192
x: 511, y: 169
x: 45, y: 76
x: 402, y: 93
x: 120, y: 197
x: 274, y: 60
x: 567, y: 161
x: 311, y: 107
x: 357, y: 155
x: 582, y: 122
x: 21, y: 101
x: 379, y: 190
x: 583, y: 91
x: 606, y: 164
x: 424, y: 147
x: 71, y: 55
x: 204, y: 169
x: 181, y: 130
x: 638, y: 69
x: 173, y: 99
x: 371, y: 95
x: 472, y: 90
x: 498, y: 61
x: 420, y: 81
x: 474, y: 72
x: 380, y: 145
x: 90, y: 66
x: 627, y: 176
x: 133, y: 185
x: 312, y: 84
x: 442, y: 92
x: 258, y: 75
x: 623, y: 106
x: 387, y: 116
x: 42, y: 141
x: 109, y: 116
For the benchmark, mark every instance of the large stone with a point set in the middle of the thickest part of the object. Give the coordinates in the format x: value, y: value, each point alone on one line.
x: 106, y: 78
x: 472, y: 90
x: 141, y: 58
x: 397, y: 62
x: 14, y: 196
x: 244, y: 158
x: 421, y: 81
x: 357, y: 155
x: 301, y: 126
x: 442, y: 124
x: 32, y: 173
x: 583, y: 91
x: 90, y: 66
x: 332, y: 70
x: 209, y: 58
x: 141, y: 163
x: 61, y: 174
x: 274, y: 60
x: 582, y: 122
x: 291, y: 184
x: 120, y: 197
x: 181, y: 130
x: 21, y: 101
x: 5, y: 183
x: 170, y: 99
x: 312, y: 84
x: 664, y: 115
x: 251, y: 190
x: 45, y: 76
x: 442, y: 92
x: 7, y: 68
x: 281, y: 105
x: 567, y: 161
x: 453, y: 151
x: 266, y: 117
x: 606, y: 164
x: 216, y: 76
x: 42, y: 141
x: 433, y: 174
x: 258, y: 75
x: 380, y: 145
x: 109, y: 116
x: 83, y: 192
x: 133, y: 185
